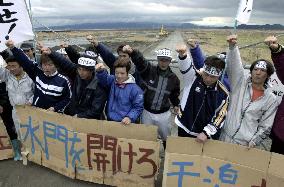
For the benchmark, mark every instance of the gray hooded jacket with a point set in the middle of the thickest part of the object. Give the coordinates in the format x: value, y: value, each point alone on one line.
x: 247, y: 122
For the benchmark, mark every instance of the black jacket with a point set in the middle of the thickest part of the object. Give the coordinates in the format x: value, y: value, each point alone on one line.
x: 159, y: 91
x: 87, y: 101
x: 4, y: 98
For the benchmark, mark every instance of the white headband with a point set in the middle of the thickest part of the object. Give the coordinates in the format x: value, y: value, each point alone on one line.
x: 86, y: 62
x: 91, y: 53
x: 212, y: 70
x: 261, y: 65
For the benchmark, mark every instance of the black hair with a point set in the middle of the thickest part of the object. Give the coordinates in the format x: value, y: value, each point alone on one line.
x: 269, y: 67
x: 215, y: 61
x: 119, y: 49
x: 11, y: 59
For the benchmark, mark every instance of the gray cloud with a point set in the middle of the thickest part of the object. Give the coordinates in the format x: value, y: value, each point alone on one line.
x: 221, y: 12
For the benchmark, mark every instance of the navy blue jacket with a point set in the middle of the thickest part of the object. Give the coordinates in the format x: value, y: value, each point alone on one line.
x: 203, y: 108
x: 50, y: 91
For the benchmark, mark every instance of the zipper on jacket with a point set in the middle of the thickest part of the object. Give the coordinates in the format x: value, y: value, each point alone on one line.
x: 36, y: 101
x: 204, y: 96
x: 243, y: 115
x: 160, y: 93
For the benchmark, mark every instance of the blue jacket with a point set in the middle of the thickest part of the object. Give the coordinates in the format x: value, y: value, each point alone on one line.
x: 124, y: 100
x: 198, y: 61
x: 109, y: 58
x: 50, y: 91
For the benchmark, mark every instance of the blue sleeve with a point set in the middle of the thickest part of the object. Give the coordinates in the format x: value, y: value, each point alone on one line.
x: 104, y: 78
x: 226, y: 81
x: 64, y: 64
x: 197, y: 57
x: 137, y: 104
x: 29, y: 66
x: 65, y: 97
x: 107, y: 56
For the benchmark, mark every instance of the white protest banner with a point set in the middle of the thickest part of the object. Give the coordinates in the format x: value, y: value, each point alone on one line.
x: 15, y: 22
x: 91, y: 150
x: 244, y: 11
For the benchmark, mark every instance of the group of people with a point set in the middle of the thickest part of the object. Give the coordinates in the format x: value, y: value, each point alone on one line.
x: 219, y: 100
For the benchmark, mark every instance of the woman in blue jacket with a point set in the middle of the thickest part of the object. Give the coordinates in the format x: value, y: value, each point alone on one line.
x: 125, y: 102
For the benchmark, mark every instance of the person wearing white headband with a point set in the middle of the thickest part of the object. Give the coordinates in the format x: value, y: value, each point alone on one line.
x: 88, y: 96
x: 253, y: 104
x: 205, y: 99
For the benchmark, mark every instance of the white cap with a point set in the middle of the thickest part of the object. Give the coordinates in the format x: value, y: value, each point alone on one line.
x: 164, y: 53
x: 61, y: 51
x: 82, y: 61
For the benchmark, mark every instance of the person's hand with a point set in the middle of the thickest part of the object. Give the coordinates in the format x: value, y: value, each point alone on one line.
x: 29, y: 103
x: 63, y: 44
x: 1, y: 109
x: 51, y: 109
x: 192, y: 43
x: 251, y: 145
x: 45, y: 51
x: 181, y: 50
x: 127, y: 49
x: 176, y: 110
x: 232, y: 40
x: 10, y: 44
x: 39, y: 45
x: 271, y: 41
x: 92, y: 40
x: 126, y: 121
x: 201, y: 138
x: 100, y: 67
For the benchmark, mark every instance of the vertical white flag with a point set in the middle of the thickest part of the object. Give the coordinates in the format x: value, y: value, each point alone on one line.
x: 244, y: 11
x: 15, y: 22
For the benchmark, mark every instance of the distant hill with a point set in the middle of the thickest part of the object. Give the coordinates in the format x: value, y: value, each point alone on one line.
x: 150, y: 25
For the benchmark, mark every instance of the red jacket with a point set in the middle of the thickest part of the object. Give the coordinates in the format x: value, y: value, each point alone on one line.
x: 278, y: 60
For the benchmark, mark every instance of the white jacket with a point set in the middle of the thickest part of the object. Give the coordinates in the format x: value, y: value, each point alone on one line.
x: 258, y: 116
x: 20, y: 91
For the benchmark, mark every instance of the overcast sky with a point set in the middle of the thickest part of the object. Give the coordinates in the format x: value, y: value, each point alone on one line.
x: 202, y: 12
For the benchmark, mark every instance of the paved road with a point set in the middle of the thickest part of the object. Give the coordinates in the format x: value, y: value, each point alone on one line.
x: 15, y: 174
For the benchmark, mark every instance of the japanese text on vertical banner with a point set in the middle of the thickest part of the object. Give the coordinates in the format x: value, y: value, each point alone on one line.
x: 15, y: 22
